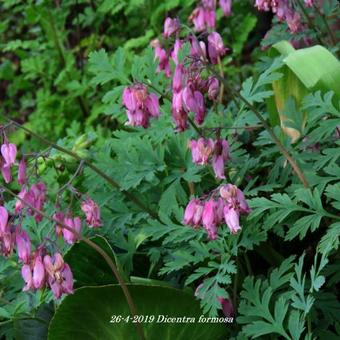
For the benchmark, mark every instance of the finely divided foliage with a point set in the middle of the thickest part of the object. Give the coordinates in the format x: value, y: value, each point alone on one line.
x: 187, y: 159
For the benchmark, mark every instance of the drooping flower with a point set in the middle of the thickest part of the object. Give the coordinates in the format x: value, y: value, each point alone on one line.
x: 9, y: 153
x: 178, y: 78
x: 216, y: 47
x: 7, y: 242
x: 140, y: 105
x: 232, y: 219
x: 92, y: 213
x: 34, y: 272
x: 235, y: 205
x: 3, y: 220
x: 213, y: 88
x: 194, y: 102
x: 171, y: 26
x: 193, y: 213
x: 59, y: 275
x: 227, y: 306
x: 221, y: 155
x: 22, y: 172
x: 226, y: 7
x: 174, y: 52
x: 209, y: 218
x: 198, y: 48
x: 74, y: 224
x: 201, y: 150
x: 162, y: 56
x: 6, y: 173
x: 34, y: 197
x: 197, y: 17
x: 23, y: 246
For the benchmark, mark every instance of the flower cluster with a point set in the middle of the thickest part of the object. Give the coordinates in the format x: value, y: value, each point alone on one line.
x: 188, y: 86
x: 226, y: 205
x: 204, y: 16
x: 39, y: 268
x: 283, y: 11
x: 205, y: 150
x: 140, y: 105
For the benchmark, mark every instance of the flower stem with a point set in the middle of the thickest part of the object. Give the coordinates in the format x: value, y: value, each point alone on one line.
x: 94, y: 246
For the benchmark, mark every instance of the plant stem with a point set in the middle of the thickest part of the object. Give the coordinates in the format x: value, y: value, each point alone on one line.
x: 94, y: 246
x: 102, y: 174
x: 281, y: 147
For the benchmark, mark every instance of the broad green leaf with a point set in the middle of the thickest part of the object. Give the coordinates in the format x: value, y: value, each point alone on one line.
x: 88, y: 266
x: 306, y: 70
x: 90, y: 309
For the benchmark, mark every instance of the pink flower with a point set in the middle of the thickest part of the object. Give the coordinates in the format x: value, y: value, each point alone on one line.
x: 293, y: 21
x: 221, y: 155
x: 201, y: 150
x: 177, y: 81
x: 210, y: 18
x: 235, y: 205
x: 74, y: 224
x: 235, y: 197
x: 152, y: 105
x: 198, y: 48
x: 179, y: 115
x: 36, y: 197
x: 26, y: 273
x: 161, y: 55
x: 308, y: 3
x: 9, y: 153
x: 19, y: 203
x: 213, y: 88
x: 232, y: 219
x: 209, y: 218
x: 129, y: 99
x: 193, y: 213
x: 171, y: 26
x: 23, y: 246
x: 140, y: 105
x: 22, y: 172
x: 227, y: 307
x: 3, y: 220
x: 174, y: 53
x: 198, y: 17
x: 226, y: 7
x: 6, y: 242
x: 92, y: 213
x: 6, y: 173
x: 194, y: 102
x: 200, y: 107
x: 34, y: 273
x: 59, y: 275
x: 216, y: 47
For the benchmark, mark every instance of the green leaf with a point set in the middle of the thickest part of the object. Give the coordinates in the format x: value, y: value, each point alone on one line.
x: 90, y: 309
x: 305, y: 70
x: 88, y: 266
